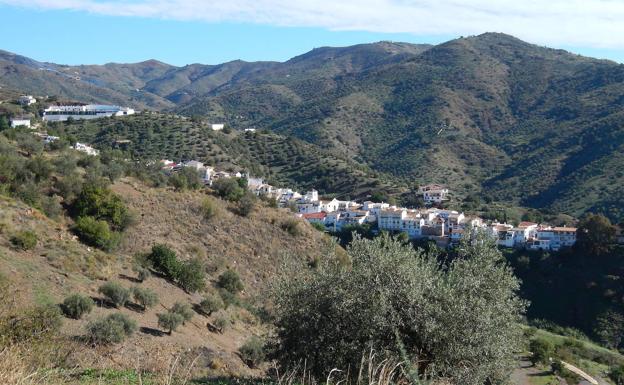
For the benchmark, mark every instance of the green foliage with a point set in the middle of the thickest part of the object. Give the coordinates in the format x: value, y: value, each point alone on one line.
x: 292, y: 227
x: 36, y: 323
x: 24, y: 240
x: 77, y: 305
x: 222, y: 321
x: 111, y: 329
x: 617, y: 375
x: 170, y: 321
x: 246, y: 204
x: 102, y: 204
x: 253, y: 351
x: 230, y: 281
x: 145, y: 297
x: 541, y: 351
x: 209, y: 208
x: 184, y: 310
x: 4, y: 123
x: 210, y: 304
x: 164, y: 260
x: 318, y: 226
x: 610, y: 328
x: 115, y: 293
x: 143, y: 273
x: 186, y: 178
x: 229, y: 189
x: 402, y: 302
x: 191, y: 275
x: 96, y: 233
x: 595, y: 234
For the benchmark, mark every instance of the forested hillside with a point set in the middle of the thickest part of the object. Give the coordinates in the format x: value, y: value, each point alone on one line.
x: 488, y: 115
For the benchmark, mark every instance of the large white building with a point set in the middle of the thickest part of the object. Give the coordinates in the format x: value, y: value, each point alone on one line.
x: 90, y: 111
x: 434, y: 193
x: 20, y: 122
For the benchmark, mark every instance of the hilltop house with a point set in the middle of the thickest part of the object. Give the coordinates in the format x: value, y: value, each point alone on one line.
x: 434, y: 193
x: 27, y: 100
x: 217, y: 127
x: 552, y: 238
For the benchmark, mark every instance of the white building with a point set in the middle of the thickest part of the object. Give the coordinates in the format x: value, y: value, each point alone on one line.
x: 552, y: 238
x: 311, y: 196
x: 90, y: 111
x: 27, y: 100
x: 250, y: 130
x: 49, y: 139
x: 86, y: 149
x: 20, y: 122
x: 217, y: 127
x: 434, y: 193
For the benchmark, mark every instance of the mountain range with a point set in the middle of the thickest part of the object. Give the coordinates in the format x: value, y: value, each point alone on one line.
x: 491, y: 116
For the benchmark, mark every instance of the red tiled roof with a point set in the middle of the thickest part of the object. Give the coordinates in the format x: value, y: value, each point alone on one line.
x: 527, y: 224
x: 320, y: 215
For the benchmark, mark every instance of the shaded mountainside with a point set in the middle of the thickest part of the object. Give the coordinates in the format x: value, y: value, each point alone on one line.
x: 487, y: 115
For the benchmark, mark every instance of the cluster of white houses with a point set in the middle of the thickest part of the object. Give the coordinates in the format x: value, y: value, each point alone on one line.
x: 445, y: 227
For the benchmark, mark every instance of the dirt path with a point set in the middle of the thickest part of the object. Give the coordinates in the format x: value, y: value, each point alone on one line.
x: 525, y: 371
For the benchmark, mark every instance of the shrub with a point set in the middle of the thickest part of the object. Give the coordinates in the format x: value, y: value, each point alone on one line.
x: 24, y: 240
x: 403, y: 302
x: 115, y: 293
x: 252, y: 352
x: 143, y: 273
x: 209, y: 208
x: 230, y: 281
x: 111, y: 329
x: 222, y: 321
x: 318, y: 226
x: 210, y: 304
x: 541, y: 350
x: 77, y: 305
x: 39, y: 322
x: 51, y: 206
x: 144, y: 297
x: 96, y: 233
x: 191, y: 275
x: 246, y: 204
x: 228, y: 188
x: 617, y: 375
x: 102, y: 204
x: 170, y: 321
x: 291, y: 226
x: 183, y: 309
x: 164, y: 260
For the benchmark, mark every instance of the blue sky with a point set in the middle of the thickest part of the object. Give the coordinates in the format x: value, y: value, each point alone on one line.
x: 182, y: 32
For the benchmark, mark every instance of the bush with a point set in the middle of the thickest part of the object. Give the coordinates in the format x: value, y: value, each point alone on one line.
x: 617, y: 375
x: 183, y: 309
x: 143, y: 273
x: 191, y: 275
x: 51, y: 206
x: 96, y: 233
x: 170, y: 321
x: 77, y: 305
x: 102, y: 204
x: 209, y: 208
x: 318, y: 226
x: 402, y: 302
x: 164, y: 260
x: 246, y: 204
x: 210, y: 304
x: 39, y: 322
x: 230, y: 281
x: 144, y: 297
x: 541, y: 351
x: 222, y: 321
x: 291, y: 226
x: 115, y: 293
x: 229, y: 189
x: 24, y: 240
x: 111, y: 329
x: 252, y: 352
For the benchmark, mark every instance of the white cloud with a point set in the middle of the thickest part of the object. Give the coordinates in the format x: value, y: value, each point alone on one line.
x: 589, y: 23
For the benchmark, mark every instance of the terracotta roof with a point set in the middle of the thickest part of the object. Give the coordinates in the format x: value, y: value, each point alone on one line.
x: 561, y: 229
x: 527, y: 224
x: 320, y: 215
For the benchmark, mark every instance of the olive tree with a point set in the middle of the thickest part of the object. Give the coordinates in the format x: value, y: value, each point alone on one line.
x: 459, y: 321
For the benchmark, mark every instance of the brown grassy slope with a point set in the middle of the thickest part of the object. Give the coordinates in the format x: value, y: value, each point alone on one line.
x: 59, y: 265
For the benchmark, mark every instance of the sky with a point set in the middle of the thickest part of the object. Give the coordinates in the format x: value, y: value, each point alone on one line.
x: 181, y: 32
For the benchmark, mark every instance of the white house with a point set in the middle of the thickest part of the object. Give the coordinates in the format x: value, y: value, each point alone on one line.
x: 49, y: 139
x: 311, y: 196
x: 434, y: 193
x: 553, y: 238
x: 217, y: 127
x: 20, y: 122
x: 250, y: 130
x: 27, y: 100
x: 86, y: 149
